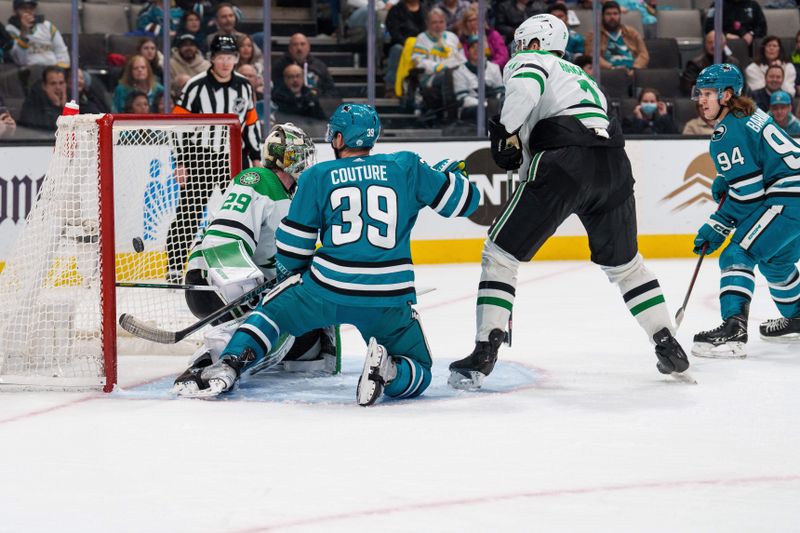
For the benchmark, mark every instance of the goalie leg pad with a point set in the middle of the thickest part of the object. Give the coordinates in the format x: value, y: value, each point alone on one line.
x: 642, y: 295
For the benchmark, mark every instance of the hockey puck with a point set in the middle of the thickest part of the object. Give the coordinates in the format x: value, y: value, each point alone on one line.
x: 138, y: 245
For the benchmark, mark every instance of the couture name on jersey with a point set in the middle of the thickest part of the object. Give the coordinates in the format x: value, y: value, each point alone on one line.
x: 359, y: 173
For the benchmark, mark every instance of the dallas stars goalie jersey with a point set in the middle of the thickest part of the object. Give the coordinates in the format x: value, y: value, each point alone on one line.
x: 364, y: 209
x: 759, y: 162
x: 540, y: 85
x: 254, y: 204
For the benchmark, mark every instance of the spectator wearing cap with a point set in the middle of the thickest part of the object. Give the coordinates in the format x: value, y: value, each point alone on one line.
x: 45, y: 101
x: 465, y: 82
x: 773, y: 82
x: 192, y: 24
x: 620, y: 46
x: 36, y: 41
x: 315, y: 71
x: 780, y: 107
x: 186, y: 59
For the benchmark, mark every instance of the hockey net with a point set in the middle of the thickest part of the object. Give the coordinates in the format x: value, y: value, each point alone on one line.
x: 123, y: 198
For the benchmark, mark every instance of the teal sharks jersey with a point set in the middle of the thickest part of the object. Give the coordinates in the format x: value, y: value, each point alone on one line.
x: 759, y: 161
x: 363, y: 209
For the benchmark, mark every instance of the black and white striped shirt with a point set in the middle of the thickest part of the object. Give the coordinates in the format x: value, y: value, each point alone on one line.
x: 204, y: 94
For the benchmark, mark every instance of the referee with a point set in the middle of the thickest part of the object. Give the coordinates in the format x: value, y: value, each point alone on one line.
x: 218, y: 90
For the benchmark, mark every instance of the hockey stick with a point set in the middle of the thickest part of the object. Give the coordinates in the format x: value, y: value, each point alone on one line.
x: 509, y: 193
x: 682, y: 311
x: 131, y: 285
x: 142, y: 330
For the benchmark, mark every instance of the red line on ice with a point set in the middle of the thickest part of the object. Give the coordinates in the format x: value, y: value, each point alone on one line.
x: 412, y: 507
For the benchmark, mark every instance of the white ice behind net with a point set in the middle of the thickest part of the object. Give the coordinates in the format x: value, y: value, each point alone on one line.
x: 50, y: 319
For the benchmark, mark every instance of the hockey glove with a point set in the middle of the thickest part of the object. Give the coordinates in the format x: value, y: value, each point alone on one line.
x: 719, y: 188
x: 451, y: 166
x: 506, y: 147
x: 712, y: 234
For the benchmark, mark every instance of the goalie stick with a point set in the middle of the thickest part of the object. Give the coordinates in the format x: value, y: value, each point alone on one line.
x: 132, y: 285
x: 140, y: 329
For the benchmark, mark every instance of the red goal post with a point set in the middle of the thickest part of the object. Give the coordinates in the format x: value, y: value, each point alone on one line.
x: 112, y: 180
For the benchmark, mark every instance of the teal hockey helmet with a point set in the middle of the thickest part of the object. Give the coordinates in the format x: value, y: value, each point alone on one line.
x: 358, y: 123
x: 720, y: 77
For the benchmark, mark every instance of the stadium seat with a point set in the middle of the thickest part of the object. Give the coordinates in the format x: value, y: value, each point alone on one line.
x: 92, y: 50
x: 123, y: 44
x: 675, y: 4
x: 682, y: 25
x: 664, y: 53
x: 59, y: 14
x: 665, y: 80
x: 684, y: 111
x: 6, y: 10
x: 585, y: 16
x: 703, y: 5
x: 133, y: 13
x: 105, y: 18
x: 740, y: 51
x: 616, y: 82
x: 782, y: 22
x: 634, y: 20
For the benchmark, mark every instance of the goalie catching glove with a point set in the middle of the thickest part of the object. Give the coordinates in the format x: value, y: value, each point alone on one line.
x: 506, y: 147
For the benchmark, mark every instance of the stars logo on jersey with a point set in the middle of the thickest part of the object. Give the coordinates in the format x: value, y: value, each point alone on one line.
x: 719, y: 133
x: 251, y: 178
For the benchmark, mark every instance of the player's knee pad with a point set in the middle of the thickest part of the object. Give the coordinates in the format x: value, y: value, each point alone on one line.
x: 411, y: 380
x: 734, y: 256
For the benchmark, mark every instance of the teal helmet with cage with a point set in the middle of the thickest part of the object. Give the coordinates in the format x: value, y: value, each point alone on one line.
x: 720, y: 77
x: 358, y: 123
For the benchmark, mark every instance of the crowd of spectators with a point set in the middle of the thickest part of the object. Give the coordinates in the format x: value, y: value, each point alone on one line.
x: 430, y: 60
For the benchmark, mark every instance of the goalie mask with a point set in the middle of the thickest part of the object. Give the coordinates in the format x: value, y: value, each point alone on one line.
x: 288, y: 148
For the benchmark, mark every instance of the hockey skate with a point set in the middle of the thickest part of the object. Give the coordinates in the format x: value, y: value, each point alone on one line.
x: 784, y: 330
x: 671, y: 357
x: 469, y: 373
x: 189, y: 383
x: 725, y: 341
x: 214, y: 379
x: 379, y: 369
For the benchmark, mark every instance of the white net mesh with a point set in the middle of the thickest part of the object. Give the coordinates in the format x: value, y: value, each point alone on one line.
x: 166, y: 177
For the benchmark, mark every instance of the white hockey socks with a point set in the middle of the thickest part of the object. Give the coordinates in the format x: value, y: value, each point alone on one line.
x: 642, y: 295
x: 496, y: 290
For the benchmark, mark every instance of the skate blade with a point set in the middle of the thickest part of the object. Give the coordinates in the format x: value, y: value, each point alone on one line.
x: 792, y: 338
x: 683, y: 377
x: 368, y: 389
x: 459, y: 381
x: 731, y: 350
x: 190, y: 390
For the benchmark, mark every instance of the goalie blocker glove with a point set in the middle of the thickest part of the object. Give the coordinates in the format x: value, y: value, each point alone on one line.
x: 506, y: 148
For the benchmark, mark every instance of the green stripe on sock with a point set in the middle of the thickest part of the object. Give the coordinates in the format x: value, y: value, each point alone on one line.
x: 647, y: 304
x: 499, y: 302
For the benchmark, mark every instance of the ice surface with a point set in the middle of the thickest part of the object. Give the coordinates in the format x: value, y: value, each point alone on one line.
x: 574, y: 431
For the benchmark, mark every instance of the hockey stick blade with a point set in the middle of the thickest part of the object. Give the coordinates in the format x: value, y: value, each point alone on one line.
x: 145, y: 331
